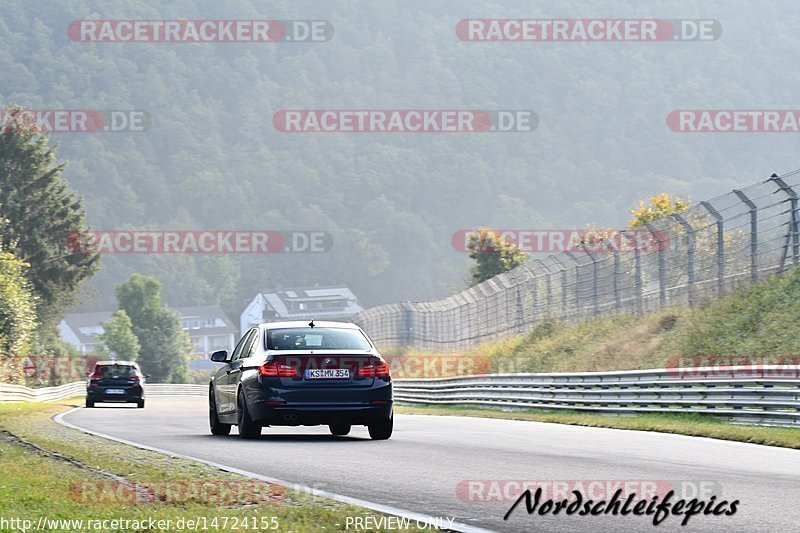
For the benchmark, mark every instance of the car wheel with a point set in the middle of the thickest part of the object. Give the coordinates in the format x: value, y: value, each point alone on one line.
x: 217, y: 427
x: 381, y: 430
x: 89, y: 403
x: 339, y: 429
x: 140, y: 404
x: 247, y: 428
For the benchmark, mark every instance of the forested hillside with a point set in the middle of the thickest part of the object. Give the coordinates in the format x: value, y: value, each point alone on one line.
x: 212, y: 159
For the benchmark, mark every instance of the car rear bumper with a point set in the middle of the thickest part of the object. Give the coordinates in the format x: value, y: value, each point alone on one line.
x: 132, y: 394
x: 313, y: 415
x: 278, y: 406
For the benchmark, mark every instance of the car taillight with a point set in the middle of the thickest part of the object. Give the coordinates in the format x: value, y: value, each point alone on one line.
x: 96, y: 376
x: 275, y: 370
x: 378, y: 369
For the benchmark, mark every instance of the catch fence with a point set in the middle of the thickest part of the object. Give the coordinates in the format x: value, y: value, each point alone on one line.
x: 705, y: 251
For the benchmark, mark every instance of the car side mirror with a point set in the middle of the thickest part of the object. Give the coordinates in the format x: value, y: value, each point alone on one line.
x: 147, y: 376
x: 220, y: 356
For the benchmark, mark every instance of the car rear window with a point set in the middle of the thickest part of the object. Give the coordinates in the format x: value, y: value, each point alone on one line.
x: 121, y: 371
x: 316, y: 339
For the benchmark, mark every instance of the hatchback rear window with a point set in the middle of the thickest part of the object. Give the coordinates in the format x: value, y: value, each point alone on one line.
x: 316, y: 339
x: 122, y: 371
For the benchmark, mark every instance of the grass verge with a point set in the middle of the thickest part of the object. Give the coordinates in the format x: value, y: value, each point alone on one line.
x: 696, y: 425
x: 58, y: 473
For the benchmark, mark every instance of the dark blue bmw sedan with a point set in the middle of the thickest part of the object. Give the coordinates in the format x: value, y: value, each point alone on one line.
x: 297, y: 373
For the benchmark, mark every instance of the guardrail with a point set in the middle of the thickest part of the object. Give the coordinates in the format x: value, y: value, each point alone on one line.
x: 753, y: 395
x: 20, y: 393
x: 763, y: 395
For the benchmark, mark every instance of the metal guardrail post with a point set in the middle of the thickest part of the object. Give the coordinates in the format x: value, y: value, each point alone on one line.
x: 720, y: 246
x: 662, y: 269
x: 753, y: 233
x: 690, y: 255
x: 794, y: 231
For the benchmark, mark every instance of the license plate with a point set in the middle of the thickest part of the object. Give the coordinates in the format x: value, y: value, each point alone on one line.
x: 332, y: 373
x: 115, y: 391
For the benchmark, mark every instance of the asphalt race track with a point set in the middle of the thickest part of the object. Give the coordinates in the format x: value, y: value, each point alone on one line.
x: 427, y: 464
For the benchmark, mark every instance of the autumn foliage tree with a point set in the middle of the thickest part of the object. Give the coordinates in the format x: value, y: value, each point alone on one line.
x: 492, y: 255
x: 657, y: 207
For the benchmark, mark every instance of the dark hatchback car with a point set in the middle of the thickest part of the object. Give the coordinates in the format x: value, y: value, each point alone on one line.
x: 116, y: 382
x: 293, y: 373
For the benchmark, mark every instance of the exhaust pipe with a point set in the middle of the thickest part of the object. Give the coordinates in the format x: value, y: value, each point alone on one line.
x: 290, y: 417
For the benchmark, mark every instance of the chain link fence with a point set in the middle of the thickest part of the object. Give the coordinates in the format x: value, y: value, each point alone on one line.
x: 705, y: 251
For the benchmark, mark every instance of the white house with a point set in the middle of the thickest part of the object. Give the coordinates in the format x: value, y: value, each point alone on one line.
x: 320, y: 303
x: 207, y: 326
x: 81, y: 330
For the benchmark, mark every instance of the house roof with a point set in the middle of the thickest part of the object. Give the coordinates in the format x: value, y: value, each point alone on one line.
x: 78, y: 321
x: 279, y: 299
x: 203, y: 313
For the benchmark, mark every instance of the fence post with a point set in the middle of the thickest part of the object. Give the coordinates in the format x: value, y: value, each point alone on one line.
x: 617, y: 281
x: 595, y: 280
x: 662, y: 269
x: 409, y: 322
x: 637, y: 282
x: 549, y: 287
x: 563, y: 286
x: 690, y: 253
x: 753, y: 233
x: 794, y: 231
x: 720, y: 247
x: 577, y: 281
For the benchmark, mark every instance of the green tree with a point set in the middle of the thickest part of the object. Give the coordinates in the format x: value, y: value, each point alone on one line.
x: 492, y: 255
x: 17, y: 317
x: 164, y: 345
x: 118, y: 337
x: 39, y: 215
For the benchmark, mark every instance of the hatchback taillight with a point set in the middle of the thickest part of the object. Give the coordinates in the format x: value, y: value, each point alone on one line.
x: 377, y: 369
x: 274, y: 370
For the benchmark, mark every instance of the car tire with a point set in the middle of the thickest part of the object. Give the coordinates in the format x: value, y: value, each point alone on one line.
x: 340, y: 430
x: 217, y: 427
x: 381, y: 430
x: 248, y: 429
x: 140, y: 404
x: 89, y: 403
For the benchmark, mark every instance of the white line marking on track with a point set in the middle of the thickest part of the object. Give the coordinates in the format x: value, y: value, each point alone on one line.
x: 385, y: 509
